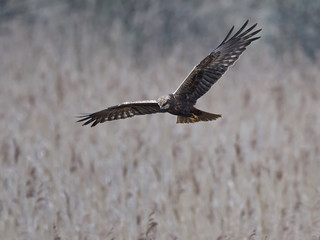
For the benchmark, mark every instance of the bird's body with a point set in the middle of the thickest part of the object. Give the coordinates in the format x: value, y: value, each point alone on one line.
x: 181, y: 102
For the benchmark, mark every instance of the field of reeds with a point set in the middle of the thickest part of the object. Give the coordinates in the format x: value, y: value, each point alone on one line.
x: 253, y: 174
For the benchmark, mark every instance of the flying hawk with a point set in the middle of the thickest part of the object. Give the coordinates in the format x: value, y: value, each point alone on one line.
x: 196, y: 84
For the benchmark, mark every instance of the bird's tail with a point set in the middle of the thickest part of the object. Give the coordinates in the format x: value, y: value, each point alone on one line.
x: 197, y: 116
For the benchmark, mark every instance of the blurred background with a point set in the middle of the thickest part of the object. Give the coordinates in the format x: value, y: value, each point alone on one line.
x: 251, y: 175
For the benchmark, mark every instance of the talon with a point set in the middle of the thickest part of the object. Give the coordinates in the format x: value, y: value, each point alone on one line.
x: 194, y: 118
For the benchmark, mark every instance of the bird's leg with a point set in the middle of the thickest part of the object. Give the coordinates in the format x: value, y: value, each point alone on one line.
x: 194, y: 118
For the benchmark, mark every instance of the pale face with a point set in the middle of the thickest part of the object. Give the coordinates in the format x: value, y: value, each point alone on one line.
x: 163, y: 102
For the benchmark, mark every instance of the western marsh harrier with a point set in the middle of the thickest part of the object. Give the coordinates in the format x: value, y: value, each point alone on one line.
x: 196, y: 84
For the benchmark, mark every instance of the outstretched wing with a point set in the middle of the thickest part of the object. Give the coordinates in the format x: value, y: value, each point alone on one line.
x: 210, y: 69
x: 121, y: 111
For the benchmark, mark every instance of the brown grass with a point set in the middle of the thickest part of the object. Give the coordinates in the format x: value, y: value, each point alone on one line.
x: 254, y: 174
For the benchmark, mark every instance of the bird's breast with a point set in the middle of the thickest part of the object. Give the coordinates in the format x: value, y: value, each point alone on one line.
x: 181, y: 108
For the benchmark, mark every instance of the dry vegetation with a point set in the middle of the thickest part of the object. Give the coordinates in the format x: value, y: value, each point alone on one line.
x: 254, y: 174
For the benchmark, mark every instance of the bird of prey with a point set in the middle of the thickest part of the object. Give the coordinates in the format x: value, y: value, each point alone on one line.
x: 197, y: 83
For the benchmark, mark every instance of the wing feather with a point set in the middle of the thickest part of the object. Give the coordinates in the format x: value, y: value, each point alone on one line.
x: 121, y: 111
x: 211, y: 68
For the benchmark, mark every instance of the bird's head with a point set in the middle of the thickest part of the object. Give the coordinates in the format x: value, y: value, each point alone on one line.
x: 164, y: 102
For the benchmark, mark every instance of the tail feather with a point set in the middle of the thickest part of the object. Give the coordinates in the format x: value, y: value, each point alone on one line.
x: 198, y: 116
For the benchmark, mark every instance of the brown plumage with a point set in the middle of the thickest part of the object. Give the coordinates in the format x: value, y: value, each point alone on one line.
x: 197, y: 83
